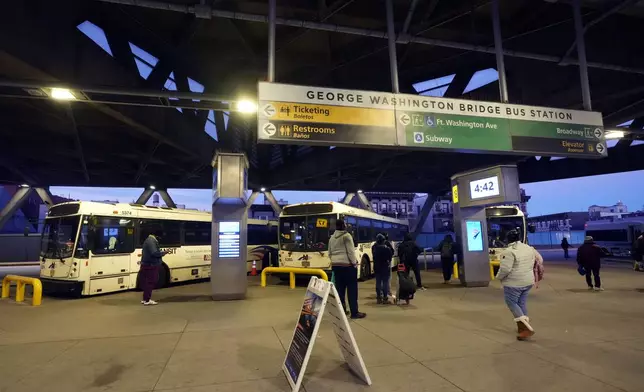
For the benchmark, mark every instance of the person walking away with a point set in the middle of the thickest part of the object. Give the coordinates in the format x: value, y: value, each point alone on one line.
x: 589, y: 257
x: 408, y: 252
x: 382, y: 255
x: 638, y: 253
x: 393, y: 252
x: 151, y: 260
x: 565, y: 246
x: 446, y: 247
x: 345, y: 263
x: 516, y: 274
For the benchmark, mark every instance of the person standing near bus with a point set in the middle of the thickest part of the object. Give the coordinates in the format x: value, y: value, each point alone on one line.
x: 408, y: 253
x: 345, y: 263
x: 638, y: 252
x: 382, y: 255
x: 151, y: 260
x: 589, y: 256
x: 516, y: 274
x: 565, y: 246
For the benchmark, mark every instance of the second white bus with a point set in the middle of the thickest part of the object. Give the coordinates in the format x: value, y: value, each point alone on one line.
x: 305, y: 229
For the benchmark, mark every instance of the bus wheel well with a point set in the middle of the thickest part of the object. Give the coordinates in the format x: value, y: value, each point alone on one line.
x: 164, y: 276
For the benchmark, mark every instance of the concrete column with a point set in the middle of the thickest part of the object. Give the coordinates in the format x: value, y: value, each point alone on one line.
x: 45, y: 196
x: 273, y: 202
x: 348, y: 198
x: 166, y: 198
x: 364, y: 202
x: 424, y: 214
x: 14, y: 204
x: 145, y: 196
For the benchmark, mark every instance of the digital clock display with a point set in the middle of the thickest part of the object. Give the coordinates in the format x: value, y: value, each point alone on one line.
x: 485, y: 187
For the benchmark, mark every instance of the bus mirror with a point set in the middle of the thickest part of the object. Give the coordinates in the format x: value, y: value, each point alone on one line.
x: 531, y: 228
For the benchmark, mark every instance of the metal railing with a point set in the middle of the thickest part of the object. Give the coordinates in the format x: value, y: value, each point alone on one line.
x: 21, y: 283
x: 291, y: 272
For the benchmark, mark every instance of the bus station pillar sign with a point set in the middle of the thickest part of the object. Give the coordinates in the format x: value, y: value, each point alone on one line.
x: 471, y: 193
x: 229, y: 227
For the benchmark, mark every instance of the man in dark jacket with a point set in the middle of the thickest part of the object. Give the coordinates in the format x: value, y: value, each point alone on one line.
x: 151, y: 260
x: 565, y: 246
x: 382, y: 255
x: 589, y: 257
x: 447, y: 249
x: 408, y: 252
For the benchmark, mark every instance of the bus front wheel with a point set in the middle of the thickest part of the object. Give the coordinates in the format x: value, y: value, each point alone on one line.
x: 365, y: 269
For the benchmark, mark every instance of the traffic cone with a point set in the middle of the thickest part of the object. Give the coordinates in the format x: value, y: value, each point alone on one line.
x: 253, y: 271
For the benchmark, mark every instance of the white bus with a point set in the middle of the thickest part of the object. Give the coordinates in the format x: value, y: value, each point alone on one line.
x: 616, y: 238
x: 305, y: 229
x: 92, y: 248
x: 500, y: 220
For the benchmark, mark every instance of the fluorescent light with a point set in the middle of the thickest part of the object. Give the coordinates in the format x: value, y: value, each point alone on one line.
x: 152, y: 187
x: 614, y: 134
x: 246, y: 106
x: 359, y: 190
x: 24, y: 186
x: 262, y: 189
x: 62, y: 94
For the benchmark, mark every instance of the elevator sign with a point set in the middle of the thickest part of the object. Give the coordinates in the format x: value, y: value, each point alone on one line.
x: 312, y: 115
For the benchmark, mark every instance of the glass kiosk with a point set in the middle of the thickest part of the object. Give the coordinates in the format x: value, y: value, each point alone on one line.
x: 471, y: 193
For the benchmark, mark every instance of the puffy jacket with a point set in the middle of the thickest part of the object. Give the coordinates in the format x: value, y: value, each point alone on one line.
x: 517, y: 265
x: 589, y: 255
x: 341, y: 249
x: 151, y: 254
x: 382, y: 255
x: 408, y: 252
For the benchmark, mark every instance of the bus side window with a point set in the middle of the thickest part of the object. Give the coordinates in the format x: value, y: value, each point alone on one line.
x: 364, y: 230
x: 112, y: 236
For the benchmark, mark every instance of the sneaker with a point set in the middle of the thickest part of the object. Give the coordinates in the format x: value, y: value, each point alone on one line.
x: 150, y: 303
x: 142, y: 302
x: 446, y: 282
x: 421, y: 288
x: 599, y: 289
x: 379, y: 300
x: 359, y: 315
x: 591, y: 288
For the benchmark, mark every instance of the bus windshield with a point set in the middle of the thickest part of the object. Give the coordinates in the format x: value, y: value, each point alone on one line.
x: 498, y: 228
x: 58, y: 237
x: 306, y: 233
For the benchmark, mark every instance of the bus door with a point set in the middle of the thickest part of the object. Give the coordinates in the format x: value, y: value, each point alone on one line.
x: 112, y: 246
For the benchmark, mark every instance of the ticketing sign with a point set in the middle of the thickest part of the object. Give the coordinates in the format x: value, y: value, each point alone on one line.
x: 229, y: 239
x: 312, y: 115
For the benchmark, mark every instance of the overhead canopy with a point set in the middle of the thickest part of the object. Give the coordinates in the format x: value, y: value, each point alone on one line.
x: 444, y: 50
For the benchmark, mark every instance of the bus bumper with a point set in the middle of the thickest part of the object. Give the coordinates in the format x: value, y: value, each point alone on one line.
x: 53, y: 286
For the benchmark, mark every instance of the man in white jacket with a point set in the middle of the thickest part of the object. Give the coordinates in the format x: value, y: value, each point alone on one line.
x: 344, y: 263
x: 516, y: 273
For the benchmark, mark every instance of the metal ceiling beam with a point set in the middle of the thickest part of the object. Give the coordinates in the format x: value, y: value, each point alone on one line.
x: 617, y: 8
x: 403, y: 40
x: 409, y: 17
x: 77, y: 142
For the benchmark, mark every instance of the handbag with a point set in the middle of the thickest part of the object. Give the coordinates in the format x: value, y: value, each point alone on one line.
x: 581, y: 270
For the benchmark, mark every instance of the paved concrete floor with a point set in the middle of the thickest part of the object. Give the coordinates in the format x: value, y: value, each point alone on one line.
x: 449, y: 339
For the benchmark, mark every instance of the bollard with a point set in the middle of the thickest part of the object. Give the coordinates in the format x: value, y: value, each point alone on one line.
x: 291, y: 280
x: 455, y: 270
x: 425, y: 258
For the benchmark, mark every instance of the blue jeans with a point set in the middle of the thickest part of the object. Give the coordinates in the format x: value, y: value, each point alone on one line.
x: 382, y: 283
x: 515, y: 298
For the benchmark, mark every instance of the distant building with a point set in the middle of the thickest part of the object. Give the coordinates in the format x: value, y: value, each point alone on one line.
x: 265, y: 211
x: 596, y: 212
x: 563, y: 221
x: 395, y: 204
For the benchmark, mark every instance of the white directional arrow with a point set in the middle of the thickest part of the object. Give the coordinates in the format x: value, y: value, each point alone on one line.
x: 600, y: 148
x: 269, y: 129
x: 405, y: 119
x: 598, y: 133
x: 269, y: 110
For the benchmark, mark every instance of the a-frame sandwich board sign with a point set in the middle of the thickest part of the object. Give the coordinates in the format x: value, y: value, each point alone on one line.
x: 321, y: 297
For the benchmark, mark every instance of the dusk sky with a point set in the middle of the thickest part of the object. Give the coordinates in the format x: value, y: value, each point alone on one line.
x: 575, y: 194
